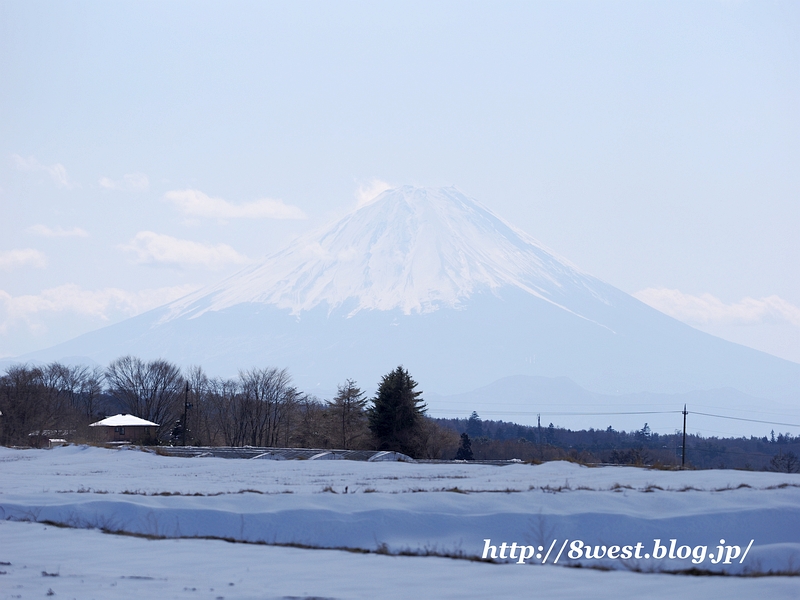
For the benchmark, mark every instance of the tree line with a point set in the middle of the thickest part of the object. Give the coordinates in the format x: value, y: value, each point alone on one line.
x: 258, y: 407
x: 500, y: 440
x: 261, y: 407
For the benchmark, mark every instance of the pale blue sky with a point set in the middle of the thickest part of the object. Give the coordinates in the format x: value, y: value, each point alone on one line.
x: 654, y: 144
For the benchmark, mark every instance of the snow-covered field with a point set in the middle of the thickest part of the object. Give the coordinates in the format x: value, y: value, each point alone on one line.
x: 299, y: 508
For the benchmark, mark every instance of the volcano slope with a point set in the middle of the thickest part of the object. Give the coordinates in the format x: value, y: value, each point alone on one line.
x: 431, y: 279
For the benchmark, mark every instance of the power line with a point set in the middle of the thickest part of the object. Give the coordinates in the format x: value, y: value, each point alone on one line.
x: 533, y: 402
x: 594, y: 414
x: 743, y: 419
x: 747, y: 410
x: 563, y: 414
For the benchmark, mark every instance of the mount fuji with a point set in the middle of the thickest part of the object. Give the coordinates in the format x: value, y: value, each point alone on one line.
x: 431, y: 279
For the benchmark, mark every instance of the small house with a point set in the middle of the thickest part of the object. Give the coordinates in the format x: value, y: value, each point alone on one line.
x: 126, y: 428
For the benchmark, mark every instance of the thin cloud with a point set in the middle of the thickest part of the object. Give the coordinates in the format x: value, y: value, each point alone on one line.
x: 26, y: 257
x: 707, y: 309
x: 196, y: 203
x: 155, y: 248
x: 367, y: 192
x: 46, y: 231
x: 57, y: 172
x: 72, y: 299
x: 132, y: 182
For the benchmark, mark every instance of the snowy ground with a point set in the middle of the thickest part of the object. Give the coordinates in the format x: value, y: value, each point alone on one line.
x: 387, y: 508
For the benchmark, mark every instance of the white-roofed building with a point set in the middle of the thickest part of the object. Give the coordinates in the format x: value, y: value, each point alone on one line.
x: 126, y: 428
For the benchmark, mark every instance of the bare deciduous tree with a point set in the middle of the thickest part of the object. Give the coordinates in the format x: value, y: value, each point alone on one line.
x: 785, y: 462
x: 266, y: 399
x: 53, y: 400
x: 151, y: 391
x: 223, y: 406
x: 22, y: 402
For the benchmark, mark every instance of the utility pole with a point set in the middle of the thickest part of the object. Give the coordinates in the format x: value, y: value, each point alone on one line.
x: 186, y: 407
x: 539, y: 435
x: 683, y: 454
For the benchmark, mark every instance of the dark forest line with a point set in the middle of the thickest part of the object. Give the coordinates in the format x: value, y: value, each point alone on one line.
x: 504, y: 440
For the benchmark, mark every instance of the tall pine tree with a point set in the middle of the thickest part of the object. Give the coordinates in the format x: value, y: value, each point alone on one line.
x: 348, y: 410
x: 474, y: 426
x: 396, y: 414
x: 465, y: 450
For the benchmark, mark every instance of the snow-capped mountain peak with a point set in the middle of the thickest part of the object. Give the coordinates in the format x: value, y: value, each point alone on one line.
x: 413, y: 249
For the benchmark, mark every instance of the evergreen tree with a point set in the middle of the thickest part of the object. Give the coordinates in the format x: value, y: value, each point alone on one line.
x: 474, y: 426
x: 348, y: 410
x: 396, y: 414
x: 465, y: 450
x: 550, y: 434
